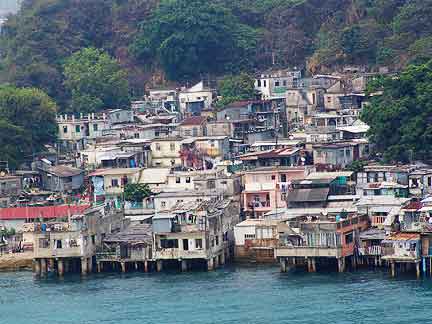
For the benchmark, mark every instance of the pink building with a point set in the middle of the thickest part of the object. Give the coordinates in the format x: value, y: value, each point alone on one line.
x: 266, y: 188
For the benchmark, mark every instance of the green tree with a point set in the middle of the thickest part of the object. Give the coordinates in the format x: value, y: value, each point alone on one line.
x: 95, y: 81
x: 236, y: 87
x: 137, y: 192
x: 193, y: 37
x: 27, y: 122
x: 400, y: 119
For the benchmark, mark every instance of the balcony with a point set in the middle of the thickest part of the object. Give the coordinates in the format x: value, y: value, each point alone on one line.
x: 374, y: 250
x: 258, y: 186
x: 259, y: 205
x: 308, y: 251
x: 169, y: 254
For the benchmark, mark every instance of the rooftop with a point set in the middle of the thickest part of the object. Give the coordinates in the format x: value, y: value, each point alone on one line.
x: 193, y: 121
x: 64, y: 171
x: 118, y: 171
x: 41, y: 212
x: 138, y: 233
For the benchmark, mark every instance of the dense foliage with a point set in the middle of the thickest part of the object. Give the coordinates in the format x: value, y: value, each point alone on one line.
x: 236, y: 87
x: 27, y: 122
x: 191, y: 39
x: 136, y: 192
x: 401, y: 118
x: 194, y: 37
x: 95, y: 81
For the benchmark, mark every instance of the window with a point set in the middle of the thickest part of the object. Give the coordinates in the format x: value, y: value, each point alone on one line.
x: 211, y: 184
x: 284, y: 83
x: 169, y: 244
x: 59, y: 244
x: 163, y: 204
x: 217, y: 240
x: 195, y: 131
x: 114, y: 183
x: 188, y: 180
x: 429, y: 180
x: 259, y: 83
x: 136, y: 135
x: 186, y: 244
x: 118, y: 116
x: 178, y: 180
x: 95, y: 127
x: 329, y: 99
x: 265, y: 83
x: 65, y: 130
x: 43, y: 243
x: 198, y: 243
x: 172, y: 147
x: 283, y: 178
x: 158, y: 147
x: 77, y: 128
x: 249, y: 236
x: 277, y: 83
x: 349, y: 238
x: 93, y: 239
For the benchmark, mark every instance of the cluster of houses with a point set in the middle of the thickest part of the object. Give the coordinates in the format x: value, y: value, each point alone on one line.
x: 272, y: 179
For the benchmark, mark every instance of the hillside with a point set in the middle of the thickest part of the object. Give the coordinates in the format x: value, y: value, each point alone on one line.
x: 158, y: 40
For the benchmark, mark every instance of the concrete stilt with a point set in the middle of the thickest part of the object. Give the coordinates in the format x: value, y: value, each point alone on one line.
x: 418, y: 270
x: 159, y: 265
x: 216, y: 262
x: 283, y: 264
x: 99, y: 266
x: 84, y: 266
x: 341, y: 264
x: 66, y: 263
x: 222, y: 258
x: 430, y: 266
x: 393, y: 269
x: 123, y: 266
x: 184, y: 265
x: 37, y: 267
x: 90, y: 265
x: 145, y: 266
x: 313, y: 264
x: 354, y: 262
x: 136, y: 266
x: 60, y: 267
x: 43, y: 266
x: 210, y: 265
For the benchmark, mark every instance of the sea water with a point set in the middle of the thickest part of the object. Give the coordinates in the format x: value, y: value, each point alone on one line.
x: 238, y: 294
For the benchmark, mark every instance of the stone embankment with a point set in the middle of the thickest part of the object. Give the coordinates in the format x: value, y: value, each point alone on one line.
x: 16, y: 261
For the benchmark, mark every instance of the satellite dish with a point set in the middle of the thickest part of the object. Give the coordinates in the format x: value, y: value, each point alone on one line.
x: 2, y: 174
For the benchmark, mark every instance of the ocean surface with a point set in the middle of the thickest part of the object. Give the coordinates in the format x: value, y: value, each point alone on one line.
x: 235, y: 294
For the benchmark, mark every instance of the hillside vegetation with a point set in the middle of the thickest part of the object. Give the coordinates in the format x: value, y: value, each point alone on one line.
x: 160, y: 40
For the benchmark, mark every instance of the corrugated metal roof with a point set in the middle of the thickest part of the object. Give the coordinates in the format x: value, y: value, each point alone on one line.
x: 308, y: 195
x: 41, y: 212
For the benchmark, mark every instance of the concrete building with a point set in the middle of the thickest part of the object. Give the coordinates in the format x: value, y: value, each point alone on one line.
x: 70, y: 245
x: 166, y: 152
x: 255, y: 240
x: 195, y: 99
x: 195, y: 235
x: 266, y: 189
x: 10, y: 189
x: 193, y: 126
x: 109, y: 184
x: 320, y: 241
